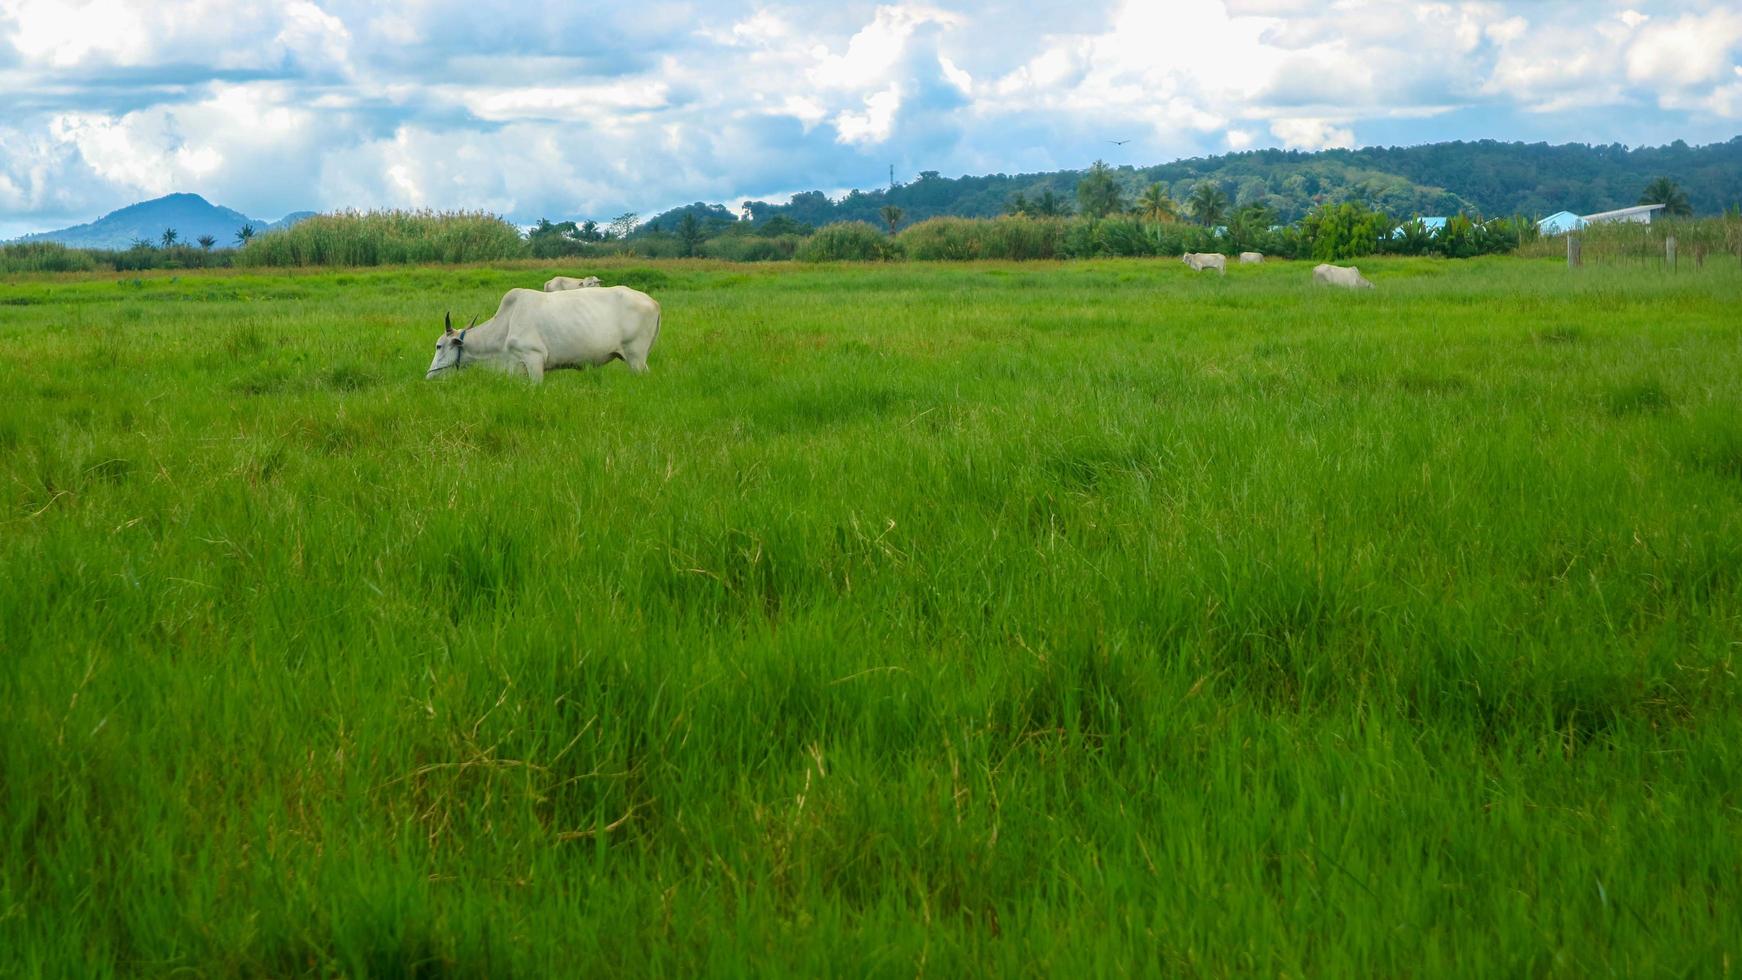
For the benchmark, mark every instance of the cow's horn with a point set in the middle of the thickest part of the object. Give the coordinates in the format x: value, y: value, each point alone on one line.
x: 448, y: 321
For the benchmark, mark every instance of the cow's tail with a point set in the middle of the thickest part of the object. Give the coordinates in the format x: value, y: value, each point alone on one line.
x: 658, y: 314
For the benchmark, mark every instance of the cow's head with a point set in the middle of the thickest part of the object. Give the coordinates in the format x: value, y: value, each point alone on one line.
x: 450, y: 347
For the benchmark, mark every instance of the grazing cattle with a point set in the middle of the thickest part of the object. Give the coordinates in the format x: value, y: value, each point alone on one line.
x: 541, y: 332
x: 1199, y: 261
x: 1347, y: 277
x: 561, y: 283
x: 1251, y: 258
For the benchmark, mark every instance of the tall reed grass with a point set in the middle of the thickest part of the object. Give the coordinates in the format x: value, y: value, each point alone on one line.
x: 45, y: 257
x: 1698, y: 240
x: 354, y: 238
x: 849, y: 241
x: 1014, y: 238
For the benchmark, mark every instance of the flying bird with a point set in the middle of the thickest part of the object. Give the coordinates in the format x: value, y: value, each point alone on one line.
x: 1118, y: 142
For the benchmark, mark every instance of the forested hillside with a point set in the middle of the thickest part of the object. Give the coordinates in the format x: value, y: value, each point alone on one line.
x: 1486, y: 177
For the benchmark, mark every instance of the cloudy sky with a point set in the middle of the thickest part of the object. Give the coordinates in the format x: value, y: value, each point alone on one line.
x: 590, y: 109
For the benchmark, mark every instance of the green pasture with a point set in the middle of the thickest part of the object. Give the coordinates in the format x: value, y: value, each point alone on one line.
x: 1046, y: 619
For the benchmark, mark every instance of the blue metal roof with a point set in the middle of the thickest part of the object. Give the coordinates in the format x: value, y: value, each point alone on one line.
x: 1560, y: 223
x: 1433, y: 225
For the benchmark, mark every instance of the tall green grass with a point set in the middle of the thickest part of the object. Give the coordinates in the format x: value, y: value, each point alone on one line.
x: 44, y: 257
x: 1012, y: 238
x: 848, y: 241
x: 1698, y: 240
x: 370, y: 238
x: 1090, y: 618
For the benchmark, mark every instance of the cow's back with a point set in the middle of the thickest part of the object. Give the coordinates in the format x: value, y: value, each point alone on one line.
x: 582, y: 326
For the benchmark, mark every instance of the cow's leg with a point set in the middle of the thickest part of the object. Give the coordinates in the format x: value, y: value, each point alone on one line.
x: 635, y: 354
x: 534, y: 362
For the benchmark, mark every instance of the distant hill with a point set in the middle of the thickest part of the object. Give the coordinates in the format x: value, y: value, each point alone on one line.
x: 286, y: 221
x: 1487, y: 177
x: 189, y: 214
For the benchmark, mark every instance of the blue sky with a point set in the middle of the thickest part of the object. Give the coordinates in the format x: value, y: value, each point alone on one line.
x: 592, y: 109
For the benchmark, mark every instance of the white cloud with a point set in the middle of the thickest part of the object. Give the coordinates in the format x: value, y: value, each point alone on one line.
x: 1686, y: 52
x: 1311, y: 134
x: 563, y: 103
x: 875, y: 123
x: 562, y: 109
x: 64, y: 34
x: 875, y: 50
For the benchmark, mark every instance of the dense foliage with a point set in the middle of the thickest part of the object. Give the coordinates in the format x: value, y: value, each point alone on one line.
x: 55, y: 257
x: 849, y: 241
x: 1486, y: 178
x: 386, y: 238
x: 1016, y: 238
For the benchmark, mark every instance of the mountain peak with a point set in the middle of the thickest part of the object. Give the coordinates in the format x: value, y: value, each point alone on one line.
x: 189, y: 215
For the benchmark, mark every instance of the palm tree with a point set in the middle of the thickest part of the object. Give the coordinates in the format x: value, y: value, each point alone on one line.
x: 244, y: 234
x: 206, y: 242
x: 891, y: 216
x: 1098, y: 193
x: 1664, y: 191
x: 1209, y: 205
x: 1018, y: 205
x: 170, y: 237
x: 1049, y: 206
x: 1154, y: 205
x: 1249, y: 224
x: 689, y: 234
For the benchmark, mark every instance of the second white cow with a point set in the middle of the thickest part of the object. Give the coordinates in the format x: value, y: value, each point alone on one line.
x: 538, y: 332
x: 1251, y: 258
x: 1348, y: 277
x: 561, y: 283
x: 1199, y: 261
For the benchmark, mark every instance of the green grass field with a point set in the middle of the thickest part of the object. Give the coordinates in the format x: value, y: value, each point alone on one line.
x: 925, y: 619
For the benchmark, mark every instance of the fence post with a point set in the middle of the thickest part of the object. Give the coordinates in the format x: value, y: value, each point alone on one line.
x: 1669, y: 251
x: 1573, y: 261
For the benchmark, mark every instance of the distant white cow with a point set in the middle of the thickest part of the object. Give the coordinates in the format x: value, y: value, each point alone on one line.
x: 1347, y: 277
x: 1251, y: 258
x: 561, y: 283
x: 1199, y: 261
x: 541, y: 332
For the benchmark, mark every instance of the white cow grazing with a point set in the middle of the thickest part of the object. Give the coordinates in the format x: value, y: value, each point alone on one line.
x: 1251, y: 258
x: 561, y: 283
x: 1347, y: 277
x: 542, y: 332
x: 1199, y: 261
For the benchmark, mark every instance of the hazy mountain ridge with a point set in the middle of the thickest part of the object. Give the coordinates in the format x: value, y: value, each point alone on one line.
x: 190, y: 215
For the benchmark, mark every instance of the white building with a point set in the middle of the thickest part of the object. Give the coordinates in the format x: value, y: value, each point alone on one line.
x: 1641, y: 214
x: 1560, y: 223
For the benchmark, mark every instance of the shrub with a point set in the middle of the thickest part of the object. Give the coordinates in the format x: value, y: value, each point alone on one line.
x: 1012, y: 238
x: 1130, y: 236
x: 752, y: 248
x: 1344, y: 231
x: 849, y: 241
x: 45, y: 257
x: 356, y: 238
x: 555, y: 247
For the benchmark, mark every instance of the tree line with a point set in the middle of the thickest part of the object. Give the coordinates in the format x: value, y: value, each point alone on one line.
x: 1100, y: 216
